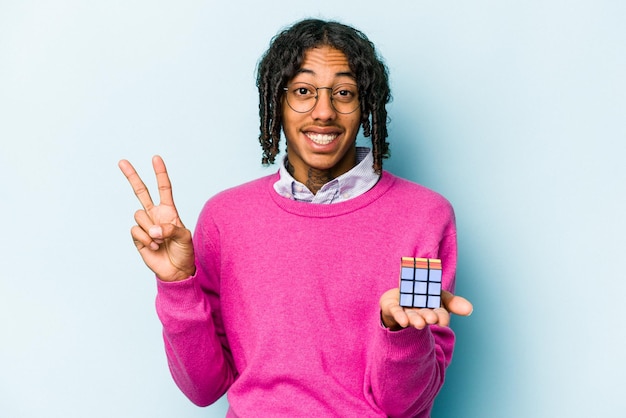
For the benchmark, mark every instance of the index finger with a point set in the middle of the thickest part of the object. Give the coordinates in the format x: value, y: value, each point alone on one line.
x: 140, y: 189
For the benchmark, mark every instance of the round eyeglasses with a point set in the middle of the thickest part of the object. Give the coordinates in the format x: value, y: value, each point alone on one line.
x: 302, y: 97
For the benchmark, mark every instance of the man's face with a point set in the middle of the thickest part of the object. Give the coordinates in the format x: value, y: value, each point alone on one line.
x: 321, y: 139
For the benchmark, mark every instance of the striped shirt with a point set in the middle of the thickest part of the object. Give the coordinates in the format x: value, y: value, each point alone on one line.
x: 351, y: 184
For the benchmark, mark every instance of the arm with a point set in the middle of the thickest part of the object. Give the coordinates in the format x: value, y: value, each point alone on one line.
x: 198, y: 361
x: 408, y: 369
x: 197, y: 353
x: 412, y: 351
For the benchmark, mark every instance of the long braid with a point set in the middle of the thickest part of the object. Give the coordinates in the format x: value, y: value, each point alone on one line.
x: 265, y: 137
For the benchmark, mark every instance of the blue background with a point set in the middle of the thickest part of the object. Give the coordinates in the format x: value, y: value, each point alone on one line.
x: 514, y: 110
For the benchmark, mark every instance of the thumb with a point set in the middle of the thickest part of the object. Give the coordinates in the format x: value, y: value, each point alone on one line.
x: 457, y: 305
x: 168, y: 231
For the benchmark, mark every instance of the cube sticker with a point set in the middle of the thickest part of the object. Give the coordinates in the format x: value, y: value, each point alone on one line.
x: 420, y: 282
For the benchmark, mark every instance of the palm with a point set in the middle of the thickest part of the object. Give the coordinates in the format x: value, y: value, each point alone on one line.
x: 164, y: 213
x: 171, y: 257
x: 161, y: 238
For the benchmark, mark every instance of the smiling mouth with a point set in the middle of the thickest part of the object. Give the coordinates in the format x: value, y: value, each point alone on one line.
x: 321, y: 139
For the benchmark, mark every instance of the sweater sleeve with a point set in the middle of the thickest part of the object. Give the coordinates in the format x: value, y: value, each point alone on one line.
x: 408, y: 369
x: 408, y: 366
x: 195, y: 343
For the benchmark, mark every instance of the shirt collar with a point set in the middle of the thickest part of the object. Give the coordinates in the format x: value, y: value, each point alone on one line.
x: 351, y: 184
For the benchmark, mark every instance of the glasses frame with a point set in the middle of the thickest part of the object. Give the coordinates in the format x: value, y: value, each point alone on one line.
x: 317, y: 95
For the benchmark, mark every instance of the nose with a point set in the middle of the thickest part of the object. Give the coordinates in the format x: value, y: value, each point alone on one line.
x: 324, y: 109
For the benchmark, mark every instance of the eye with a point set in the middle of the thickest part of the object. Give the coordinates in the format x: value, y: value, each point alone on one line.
x: 303, y: 90
x: 345, y: 92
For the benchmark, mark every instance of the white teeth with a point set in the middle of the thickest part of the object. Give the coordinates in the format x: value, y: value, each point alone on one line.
x: 321, y: 139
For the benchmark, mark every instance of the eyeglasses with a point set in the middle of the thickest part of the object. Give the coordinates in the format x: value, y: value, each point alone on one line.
x: 302, y: 97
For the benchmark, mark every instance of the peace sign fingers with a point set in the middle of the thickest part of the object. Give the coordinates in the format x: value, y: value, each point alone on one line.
x: 165, y: 211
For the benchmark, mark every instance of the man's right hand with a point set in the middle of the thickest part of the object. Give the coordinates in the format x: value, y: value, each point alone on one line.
x: 160, y: 237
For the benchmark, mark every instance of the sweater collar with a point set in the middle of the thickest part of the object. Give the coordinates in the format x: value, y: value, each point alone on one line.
x: 349, y: 185
x: 385, y: 182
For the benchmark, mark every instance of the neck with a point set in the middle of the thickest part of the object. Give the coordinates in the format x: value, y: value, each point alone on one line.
x: 314, y: 179
x: 317, y: 178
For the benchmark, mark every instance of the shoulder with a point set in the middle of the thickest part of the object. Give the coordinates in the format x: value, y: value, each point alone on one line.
x: 411, y: 193
x: 248, y: 188
x: 418, y: 205
x: 246, y: 194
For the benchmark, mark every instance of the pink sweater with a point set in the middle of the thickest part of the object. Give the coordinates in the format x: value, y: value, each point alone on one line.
x: 283, y: 312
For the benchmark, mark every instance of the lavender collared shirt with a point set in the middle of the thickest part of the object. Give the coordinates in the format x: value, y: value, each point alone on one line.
x: 351, y: 184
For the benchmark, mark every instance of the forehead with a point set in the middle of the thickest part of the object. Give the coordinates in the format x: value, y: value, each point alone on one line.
x: 325, y: 61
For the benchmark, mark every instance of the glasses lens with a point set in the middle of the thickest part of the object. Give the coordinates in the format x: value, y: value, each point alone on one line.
x: 302, y: 97
x: 345, y: 98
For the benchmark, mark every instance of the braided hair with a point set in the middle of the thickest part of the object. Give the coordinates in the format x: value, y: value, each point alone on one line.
x: 283, y: 59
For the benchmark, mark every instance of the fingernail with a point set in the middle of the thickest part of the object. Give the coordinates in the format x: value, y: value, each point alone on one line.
x: 155, y: 231
x: 154, y: 246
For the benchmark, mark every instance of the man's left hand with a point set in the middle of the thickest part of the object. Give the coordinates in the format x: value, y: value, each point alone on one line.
x: 396, y: 317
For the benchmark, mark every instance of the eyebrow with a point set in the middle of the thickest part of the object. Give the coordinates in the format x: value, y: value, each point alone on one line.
x: 340, y: 74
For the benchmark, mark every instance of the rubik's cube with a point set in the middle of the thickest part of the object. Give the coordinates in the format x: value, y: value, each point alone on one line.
x: 420, y: 282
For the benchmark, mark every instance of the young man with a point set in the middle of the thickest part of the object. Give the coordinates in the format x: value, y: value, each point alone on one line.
x: 287, y: 295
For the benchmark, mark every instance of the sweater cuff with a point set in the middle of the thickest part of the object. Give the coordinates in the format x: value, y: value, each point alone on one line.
x: 408, y: 342
x: 179, y: 295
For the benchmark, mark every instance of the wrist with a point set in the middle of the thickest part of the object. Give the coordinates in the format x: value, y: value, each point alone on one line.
x: 179, y: 276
